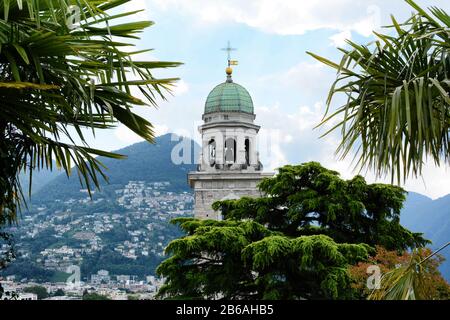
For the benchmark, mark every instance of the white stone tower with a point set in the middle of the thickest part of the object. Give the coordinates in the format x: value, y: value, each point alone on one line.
x: 229, y: 160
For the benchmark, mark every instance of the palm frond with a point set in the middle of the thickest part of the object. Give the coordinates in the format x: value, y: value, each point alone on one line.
x: 397, y: 113
x: 55, y: 80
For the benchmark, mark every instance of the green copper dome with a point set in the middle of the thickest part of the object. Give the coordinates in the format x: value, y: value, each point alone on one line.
x: 229, y: 97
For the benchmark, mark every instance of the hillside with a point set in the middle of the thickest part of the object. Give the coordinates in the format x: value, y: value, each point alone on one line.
x: 145, y: 161
x: 40, y: 179
x: 432, y: 217
x: 124, y: 228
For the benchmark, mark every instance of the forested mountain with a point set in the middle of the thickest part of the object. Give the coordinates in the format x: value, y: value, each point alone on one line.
x: 40, y: 179
x: 123, y: 228
x: 432, y: 217
x: 145, y: 161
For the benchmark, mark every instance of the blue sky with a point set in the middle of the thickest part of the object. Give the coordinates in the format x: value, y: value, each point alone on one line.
x: 288, y: 86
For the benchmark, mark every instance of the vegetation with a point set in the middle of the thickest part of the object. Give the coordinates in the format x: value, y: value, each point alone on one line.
x: 60, y: 76
x: 41, y: 292
x: 397, y: 110
x: 436, y: 212
x: 94, y: 296
x: 7, y: 295
x: 432, y: 286
x: 296, y: 242
x: 59, y: 293
x: 117, y: 264
x: 7, y: 253
x: 64, y: 68
x: 28, y: 269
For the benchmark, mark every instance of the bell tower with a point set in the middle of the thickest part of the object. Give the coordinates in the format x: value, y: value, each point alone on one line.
x: 229, y: 160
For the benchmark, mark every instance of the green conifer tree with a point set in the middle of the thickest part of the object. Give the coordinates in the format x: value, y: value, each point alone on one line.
x: 296, y: 242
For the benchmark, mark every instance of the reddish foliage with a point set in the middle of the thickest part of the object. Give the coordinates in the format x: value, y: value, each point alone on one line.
x: 436, y: 286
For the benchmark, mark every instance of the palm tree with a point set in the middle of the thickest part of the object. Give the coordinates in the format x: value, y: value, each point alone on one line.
x: 59, y: 76
x: 397, y: 110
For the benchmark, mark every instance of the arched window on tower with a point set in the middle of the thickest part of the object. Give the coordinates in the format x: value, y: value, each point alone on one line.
x: 247, y: 152
x: 230, y: 151
x: 212, y: 152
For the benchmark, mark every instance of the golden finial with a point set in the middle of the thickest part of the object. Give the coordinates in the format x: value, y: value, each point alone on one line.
x: 229, y: 70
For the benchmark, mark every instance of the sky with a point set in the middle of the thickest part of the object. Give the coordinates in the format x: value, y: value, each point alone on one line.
x: 288, y: 87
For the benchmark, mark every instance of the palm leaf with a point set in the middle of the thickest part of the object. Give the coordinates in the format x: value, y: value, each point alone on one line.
x: 53, y: 80
x: 397, y: 113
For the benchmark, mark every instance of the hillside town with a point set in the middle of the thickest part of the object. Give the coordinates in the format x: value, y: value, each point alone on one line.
x: 132, y: 224
x: 121, y: 287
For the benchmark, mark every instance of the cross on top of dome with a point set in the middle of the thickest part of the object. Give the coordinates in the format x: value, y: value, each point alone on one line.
x: 229, y: 96
x: 229, y: 70
x: 229, y: 49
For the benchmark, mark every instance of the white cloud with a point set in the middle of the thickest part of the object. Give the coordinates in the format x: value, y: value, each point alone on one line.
x: 180, y: 88
x: 288, y: 137
x: 160, y: 129
x: 137, y: 5
x: 308, y: 79
x: 291, y: 138
x: 270, y: 147
x: 434, y: 181
x: 338, y: 40
x: 293, y: 17
x: 127, y: 136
